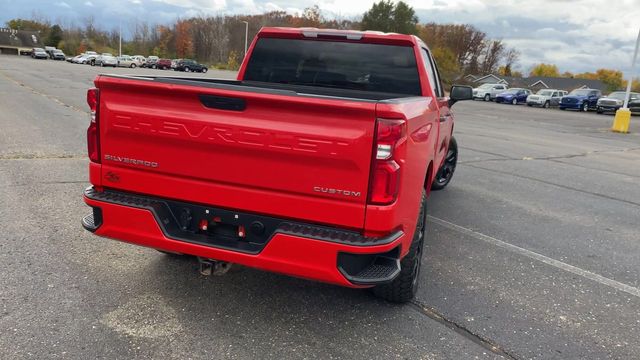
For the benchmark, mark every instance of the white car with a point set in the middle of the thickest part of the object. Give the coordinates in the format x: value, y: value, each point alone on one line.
x: 546, y: 98
x: 86, y: 59
x: 488, y: 92
x: 140, y: 60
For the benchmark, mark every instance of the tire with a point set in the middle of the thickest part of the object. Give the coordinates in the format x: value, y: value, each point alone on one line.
x: 153, y: 66
x: 445, y: 173
x: 93, y: 63
x: 529, y: 105
x: 101, y: 64
x: 563, y: 109
x: 133, y: 66
x: 547, y: 104
x: 487, y: 97
x: 404, y: 287
x: 204, y: 70
x: 514, y: 101
x: 599, y: 110
x: 585, y: 107
x: 187, y: 69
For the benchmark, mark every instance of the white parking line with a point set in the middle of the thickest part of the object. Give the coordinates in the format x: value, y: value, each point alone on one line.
x: 533, y: 255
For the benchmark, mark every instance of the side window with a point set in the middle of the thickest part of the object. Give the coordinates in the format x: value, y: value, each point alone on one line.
x: 555, y: 94
x: 432, y: 73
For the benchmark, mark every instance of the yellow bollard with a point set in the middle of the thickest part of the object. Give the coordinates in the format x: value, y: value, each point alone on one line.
x: 621, y: 121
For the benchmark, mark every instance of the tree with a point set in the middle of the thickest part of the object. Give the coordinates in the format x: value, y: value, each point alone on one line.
x: 184, y: 42
x: 547, y: 70
x: 510, y: 59
x: 54, y: 37
x: 466, y: 42
x: 635, y: 85
x: 447, y: 64
x: 493, y: 53
x: 613, y: 79
x: 389, y: 17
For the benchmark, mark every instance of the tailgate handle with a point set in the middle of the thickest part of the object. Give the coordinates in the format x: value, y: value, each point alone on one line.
x: 222, y: 103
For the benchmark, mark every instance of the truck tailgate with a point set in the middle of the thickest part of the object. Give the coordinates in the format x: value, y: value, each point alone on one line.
x: 237, y: 147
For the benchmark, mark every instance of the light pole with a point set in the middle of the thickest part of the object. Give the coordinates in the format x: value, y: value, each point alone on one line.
x: 120, y: 39
x: 246, y: 36
x: 623, y: 115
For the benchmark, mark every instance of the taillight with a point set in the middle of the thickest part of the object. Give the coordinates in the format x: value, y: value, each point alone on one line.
x: 385, y: 171
x: 93, y: 132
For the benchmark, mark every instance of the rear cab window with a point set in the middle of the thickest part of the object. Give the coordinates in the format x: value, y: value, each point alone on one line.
x: 335, y: 64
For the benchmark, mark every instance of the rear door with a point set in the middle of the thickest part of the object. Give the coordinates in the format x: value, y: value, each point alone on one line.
x: 445, y: 117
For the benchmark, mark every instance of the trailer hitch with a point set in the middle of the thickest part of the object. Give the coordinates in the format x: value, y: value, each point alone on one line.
x: 210, y: 267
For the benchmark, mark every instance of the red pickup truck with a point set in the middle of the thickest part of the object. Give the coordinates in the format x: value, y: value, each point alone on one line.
x: 316, y: 162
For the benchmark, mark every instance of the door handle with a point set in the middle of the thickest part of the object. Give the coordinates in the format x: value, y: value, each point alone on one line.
x: 444, y: 117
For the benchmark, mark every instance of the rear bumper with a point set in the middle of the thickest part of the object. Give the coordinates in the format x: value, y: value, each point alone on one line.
x: 302, y: 250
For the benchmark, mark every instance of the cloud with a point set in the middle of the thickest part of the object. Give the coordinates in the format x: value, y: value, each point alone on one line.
x: 577, y: 35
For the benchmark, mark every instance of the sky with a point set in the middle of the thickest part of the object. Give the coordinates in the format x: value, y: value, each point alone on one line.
x: 576, y: 35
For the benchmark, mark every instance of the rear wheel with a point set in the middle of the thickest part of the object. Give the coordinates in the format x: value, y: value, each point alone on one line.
x: 444, y: 175
x: 514, y: 101
x: 404, y: 287
x: 204, y: 70
x: 487, y: 97
x: 133, y: 66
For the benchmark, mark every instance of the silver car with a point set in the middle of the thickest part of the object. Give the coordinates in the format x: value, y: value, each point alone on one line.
x: 127, y: 61
x: 488, y: 92
x: 106, y: 60
x: 546, y: 98
x: 614, y: 101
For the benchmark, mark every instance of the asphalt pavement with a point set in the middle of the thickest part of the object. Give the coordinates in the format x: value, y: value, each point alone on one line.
x: 533, y: 251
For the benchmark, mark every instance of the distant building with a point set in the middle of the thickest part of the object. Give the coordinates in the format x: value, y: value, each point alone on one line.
x: 535, y: 83
x: 18, y: 41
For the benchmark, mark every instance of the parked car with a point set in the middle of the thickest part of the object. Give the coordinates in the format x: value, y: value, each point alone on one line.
x: 634, y: 106
x: 164, y: 64
x: 152, y: 62
x: 106, y: 60
x: 513, y: 96
x: 359, y: 226
x: 191, y: 65
x: 581, y: 99
x: 127, y: 61
x: 174, y: 63
x: 75, y: 58
x: 49, y: 50
x: 488, y: 92
x: 58, y: 55
x: 614, y: 101
x: 88, y: 58
x: 39, y: 53
x: 140, y: 60
x: 546, y: 98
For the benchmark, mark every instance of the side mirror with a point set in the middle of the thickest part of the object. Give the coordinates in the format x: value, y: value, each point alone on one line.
x: 459, y: 93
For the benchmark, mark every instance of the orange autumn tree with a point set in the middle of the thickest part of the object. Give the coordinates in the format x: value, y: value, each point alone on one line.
x: 184, y: 40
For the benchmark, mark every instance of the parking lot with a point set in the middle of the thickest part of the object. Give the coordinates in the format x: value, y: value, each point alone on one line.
x: 532, y: 250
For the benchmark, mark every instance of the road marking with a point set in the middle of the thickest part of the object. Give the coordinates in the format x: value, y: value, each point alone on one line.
x: 539, y: 257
